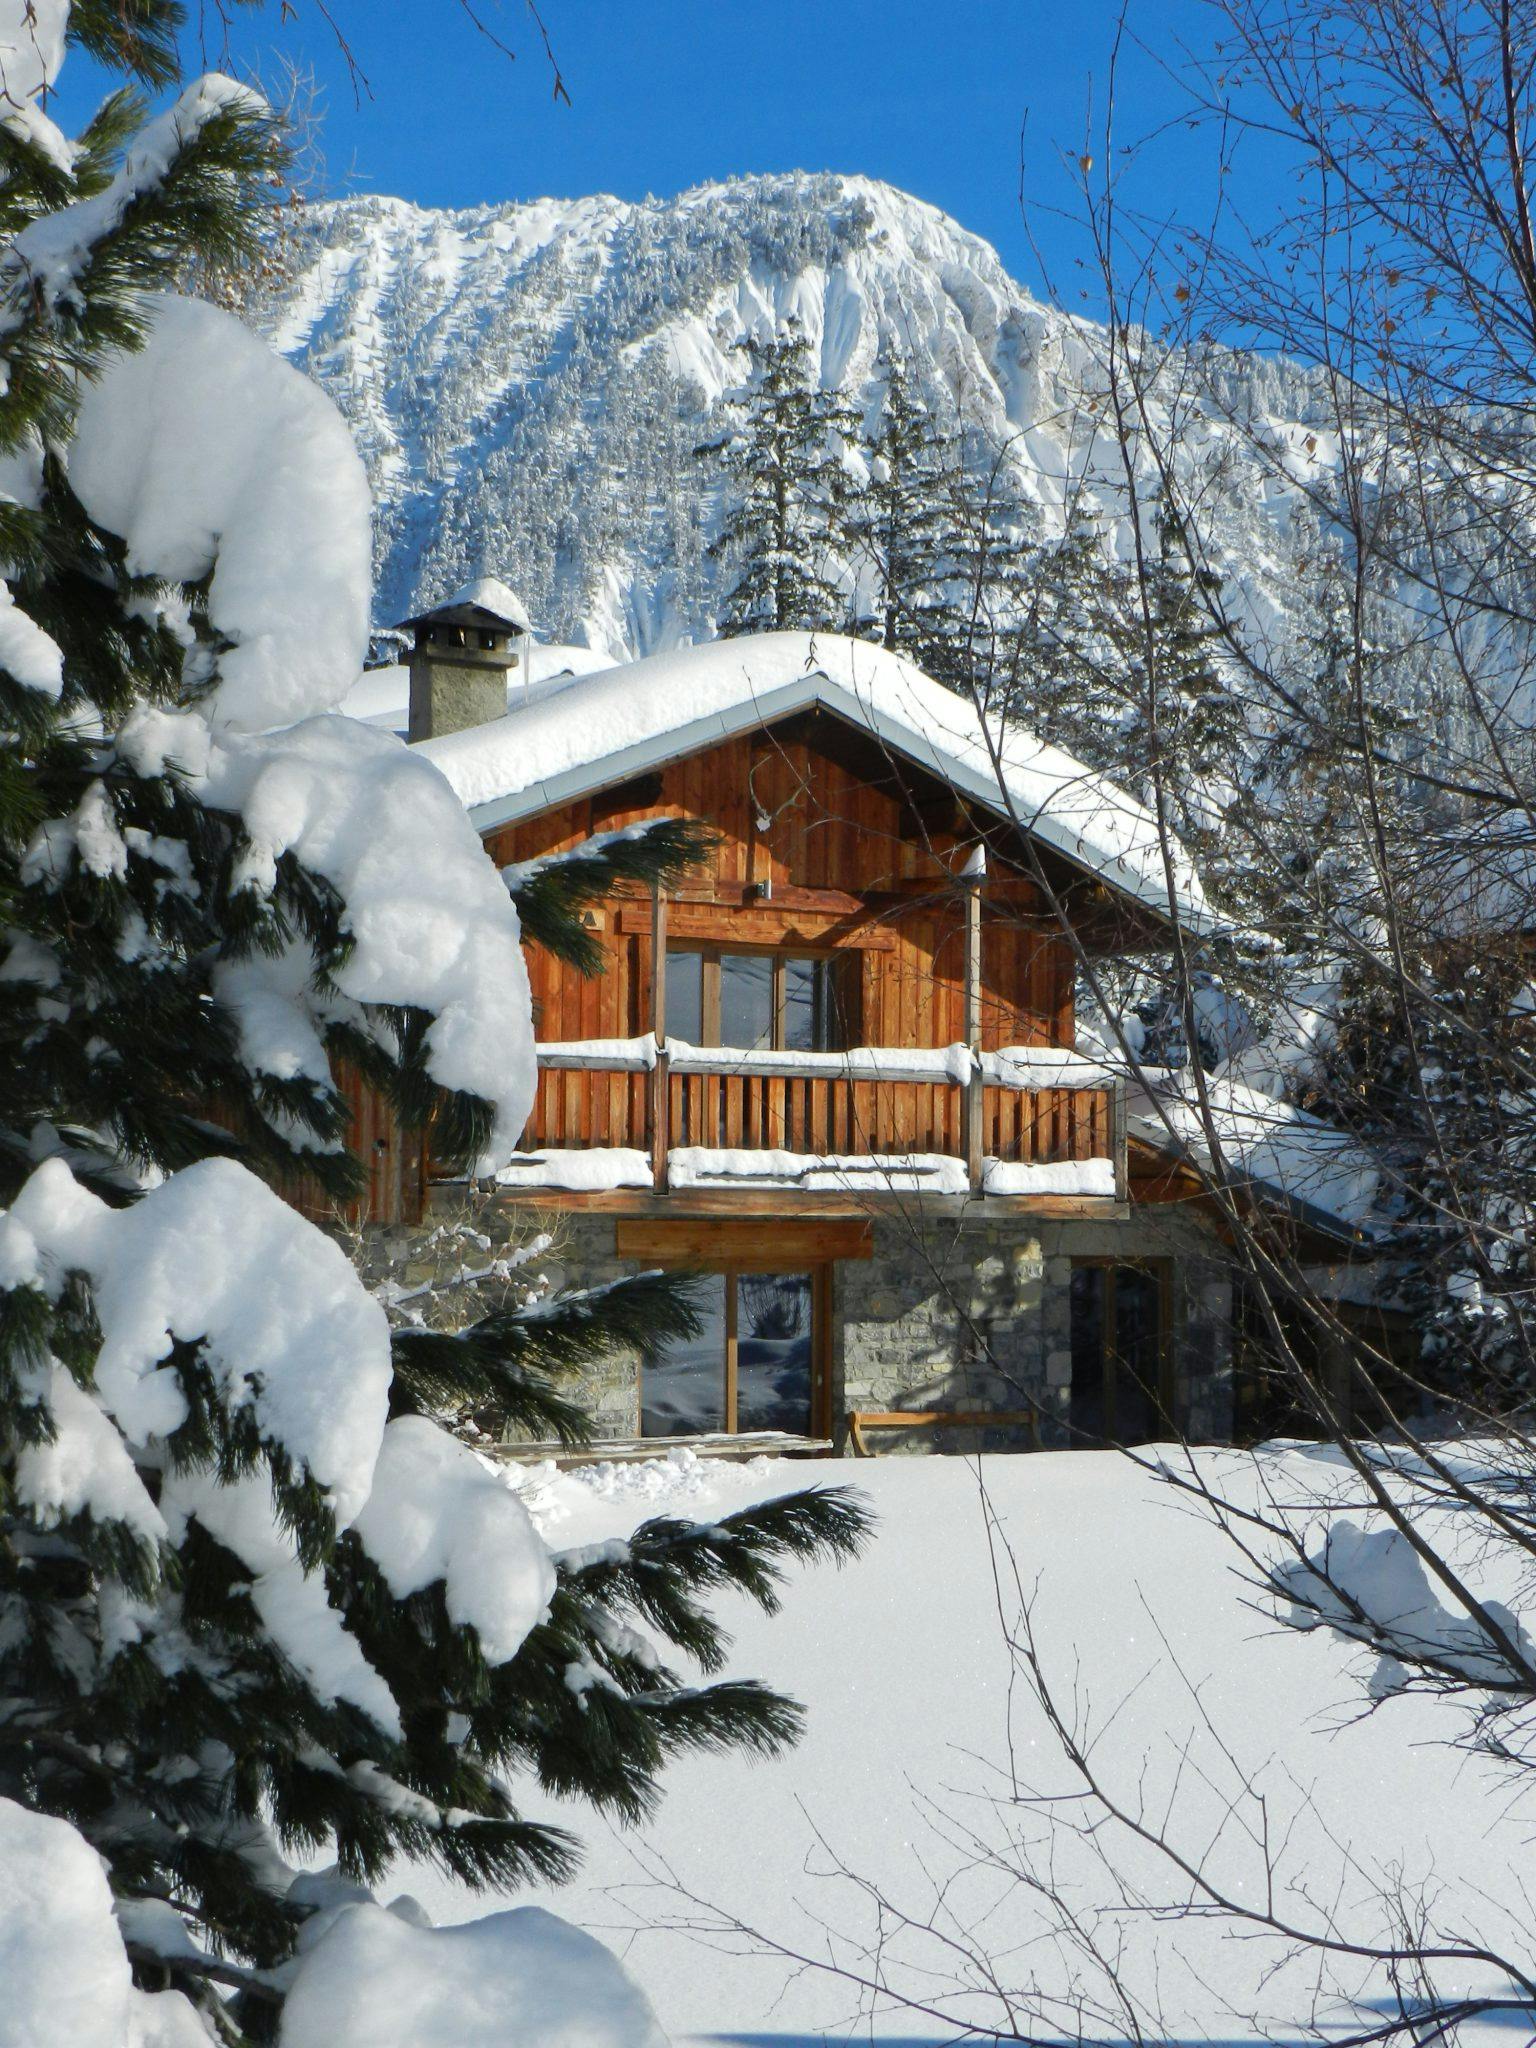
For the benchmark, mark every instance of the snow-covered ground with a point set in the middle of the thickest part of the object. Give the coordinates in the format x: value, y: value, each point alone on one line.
x: 914, y: 1713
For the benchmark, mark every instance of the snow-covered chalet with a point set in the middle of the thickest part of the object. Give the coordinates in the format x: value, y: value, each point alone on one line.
x: 836, y: 1073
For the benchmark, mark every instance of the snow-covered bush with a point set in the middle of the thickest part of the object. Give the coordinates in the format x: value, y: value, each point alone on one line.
x: 259, y: 1609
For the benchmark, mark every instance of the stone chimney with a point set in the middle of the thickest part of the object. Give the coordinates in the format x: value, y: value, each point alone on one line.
x: 462, y: 654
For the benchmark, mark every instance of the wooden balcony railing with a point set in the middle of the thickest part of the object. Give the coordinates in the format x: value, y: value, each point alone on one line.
x: 1027, y: 1108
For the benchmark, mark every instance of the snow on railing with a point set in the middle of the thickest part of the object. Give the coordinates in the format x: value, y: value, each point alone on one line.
x: 1026, y: 1120
x: 1024, y: 1067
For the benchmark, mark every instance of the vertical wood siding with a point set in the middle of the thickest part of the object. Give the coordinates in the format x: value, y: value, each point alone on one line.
x: 825, y: 830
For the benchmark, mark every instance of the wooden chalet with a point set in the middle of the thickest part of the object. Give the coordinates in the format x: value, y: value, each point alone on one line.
x: 835, y: 1071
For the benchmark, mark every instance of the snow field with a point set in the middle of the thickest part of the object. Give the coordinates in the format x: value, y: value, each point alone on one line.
x: 914, y: 1725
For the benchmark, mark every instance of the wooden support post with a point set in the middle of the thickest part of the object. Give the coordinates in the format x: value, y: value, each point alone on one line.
x: 660, y: 1118
x: 660, y: 1115
x: 973, y: 1087
x: 1117, y: 1143
x: 1339, y: 1380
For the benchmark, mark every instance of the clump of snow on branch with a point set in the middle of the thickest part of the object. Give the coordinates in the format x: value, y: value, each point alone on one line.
x: 365, y: 1977
x: 431, y: 923
x: 26, y: 651
x: 84, y: 1467
x: 437, y: 1513
x: 31, y: 54
x: 44, y: 263
x: 205, y: 452
x: 62, y: 1961
x: 213, y: 1258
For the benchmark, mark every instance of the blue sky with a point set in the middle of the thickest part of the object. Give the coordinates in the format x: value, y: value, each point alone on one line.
x: 669, y: 93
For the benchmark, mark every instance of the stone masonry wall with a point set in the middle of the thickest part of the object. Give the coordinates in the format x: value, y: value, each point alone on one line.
x: 959, y: 1311
x: 975, y: 1312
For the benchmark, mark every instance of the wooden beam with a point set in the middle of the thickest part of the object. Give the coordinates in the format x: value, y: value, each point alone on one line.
x: 721, y: 1241
x: 632, y: 1449
x: 862, y: 1419
x: 779, y: 1205
x: 659, y: 965
x: 730, y: 1354
x: 768, y: 924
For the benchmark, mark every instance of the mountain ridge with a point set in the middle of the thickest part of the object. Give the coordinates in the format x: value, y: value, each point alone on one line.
x: 528, y: 381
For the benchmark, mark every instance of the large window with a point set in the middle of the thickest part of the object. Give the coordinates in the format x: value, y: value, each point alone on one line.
x: 751, y: 1367
x: 1121, y: 1386
x: 781, y: 1002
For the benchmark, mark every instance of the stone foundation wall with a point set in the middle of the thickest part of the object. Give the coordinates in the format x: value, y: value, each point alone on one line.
x: 976, y: 1313
x: 959, y: 1311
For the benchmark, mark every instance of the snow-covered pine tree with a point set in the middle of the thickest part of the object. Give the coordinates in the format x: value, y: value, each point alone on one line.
x: 1117, y: 660
x: 987, y: 541
x: 255, y: 1602
x: 787, y: 454
x: 1124, y: 669
x: 900, y: 526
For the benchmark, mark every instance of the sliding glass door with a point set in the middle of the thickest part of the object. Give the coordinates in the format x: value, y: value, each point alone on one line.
x: 752, y: 1367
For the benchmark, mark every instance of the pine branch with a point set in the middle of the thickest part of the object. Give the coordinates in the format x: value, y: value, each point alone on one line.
x: 437, y: 1369
x: 507, y: 1360
x: 551, y: 893
x: 135, y: 37
x: 667, y: 1562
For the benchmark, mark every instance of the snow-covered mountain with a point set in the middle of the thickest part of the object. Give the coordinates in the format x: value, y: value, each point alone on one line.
x: 529, y: 382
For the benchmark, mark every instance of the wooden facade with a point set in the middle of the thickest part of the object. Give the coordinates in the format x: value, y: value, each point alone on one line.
x: 813, y: 856
x: 826, y: 850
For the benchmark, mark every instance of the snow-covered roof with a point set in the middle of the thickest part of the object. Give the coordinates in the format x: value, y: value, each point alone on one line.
x: 566, y: 742
x: 486, y: 594
x: 382, y: 696
x: 1324, y: 1176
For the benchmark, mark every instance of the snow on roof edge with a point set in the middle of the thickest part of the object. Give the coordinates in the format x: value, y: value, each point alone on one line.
x: 1047, y: 793
x: 1342, y: 1182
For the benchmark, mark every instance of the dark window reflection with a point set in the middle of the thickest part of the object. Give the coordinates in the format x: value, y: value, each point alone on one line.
x: 1089, y: 1288
x: 746, y: 1000
x: 773, y: 1352
x: 685, y: 995
x: 1138, y: 1356
x: 682, y: 1392
x: 1117, y: 1354
x: 807, y: 1006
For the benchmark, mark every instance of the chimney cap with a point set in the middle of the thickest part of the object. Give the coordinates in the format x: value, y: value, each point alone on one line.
x: 485, y: 601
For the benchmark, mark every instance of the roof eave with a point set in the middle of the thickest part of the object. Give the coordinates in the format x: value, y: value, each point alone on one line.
x: 799, y: 695
x: 1350, y: 1236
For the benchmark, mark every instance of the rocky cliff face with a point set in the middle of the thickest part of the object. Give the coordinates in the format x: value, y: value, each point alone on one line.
x: 529, y: 383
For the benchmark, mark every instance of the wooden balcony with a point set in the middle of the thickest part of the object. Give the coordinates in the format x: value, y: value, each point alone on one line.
x: 1026, y: 1123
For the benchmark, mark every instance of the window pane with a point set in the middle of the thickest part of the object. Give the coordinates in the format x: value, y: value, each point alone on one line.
x: 685, y: 995
x: 807, y: 1006
x: 683, y: 1392
x: 1138, y: 1361
x: 1088, y: 1297
x: 746, y: 1000
x: 773, y: 1352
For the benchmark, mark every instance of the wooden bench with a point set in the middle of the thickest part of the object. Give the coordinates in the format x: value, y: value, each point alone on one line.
x: 862, y: 1419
